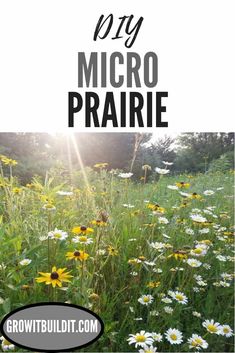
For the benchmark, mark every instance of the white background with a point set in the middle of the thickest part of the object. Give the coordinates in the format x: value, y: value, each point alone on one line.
x: 194, y: 41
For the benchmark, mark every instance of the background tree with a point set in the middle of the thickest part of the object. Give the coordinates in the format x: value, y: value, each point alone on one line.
x: 196, y: 150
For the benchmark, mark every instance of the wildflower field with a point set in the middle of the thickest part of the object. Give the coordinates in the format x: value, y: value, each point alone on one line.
x: 153, y: 259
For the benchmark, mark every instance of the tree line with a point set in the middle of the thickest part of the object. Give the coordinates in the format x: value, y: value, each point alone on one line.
x: 189, y: 152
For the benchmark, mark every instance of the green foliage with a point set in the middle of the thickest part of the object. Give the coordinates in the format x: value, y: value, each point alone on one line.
x: 222, y: 164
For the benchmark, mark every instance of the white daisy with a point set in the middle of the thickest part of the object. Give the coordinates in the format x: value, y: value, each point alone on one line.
x: 167, y: 163
x: 125, y: 175
x: 157, y: 337
x: 206, y: 266
x: 208, y: 192
x: 227, y: 276
x: 226, y: 330
x: 57, y: 234
x: 174, y: 336
x: 149, y: 263
x: 196, y: 314
x: 166, y: 236
x: 48, y: 207
x: 134, y: 274
x: 197, y: 342
x: 163, y: 220
x: 64, y: 193
x: 101, y: 252
x: 194, y: 263
x: 25, y: 262
x: 168, y: 309
x: 128, y: 205
x: 198, y: 251
x: 204, y: 231
x: 212, y: 326
x: 221, y: 258
x: 83, y: 239
x: 162, y: 171
x: 184, y: 194
x: 198, y: 218
x: 141, y: 339
x: 6, y: 345
x: 148, y: 349
x: 180, y: 297
x: 157, y: 245
x: 166, y: 300
x: 172, y: 187
x: 146, y: 299
x: 189, y: 231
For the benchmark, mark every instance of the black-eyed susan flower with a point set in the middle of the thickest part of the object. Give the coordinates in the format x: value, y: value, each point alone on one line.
x: 99, y: 223
x: 82, y: 230
x: 195, y: 196
x: 149, y: 225
x: 55, y: 278
x: 8, y: 161
x: 155, y: 207
x: 112, y: 251
x: 182, y: 185
x: 77, y: 255
x: 153, y: 284
x: 178, y: 255
x: 17, y: 190
x: 100, y: 165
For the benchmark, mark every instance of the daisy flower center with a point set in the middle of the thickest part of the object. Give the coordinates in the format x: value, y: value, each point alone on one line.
x: 173, y: 336
x: 54, y: 275
x: 83, y: 228
x: 146, y: 299
x: 226, y: 330
x: 212, y: 328
x: 140, y: 338
x: 198, y: 341
x: 83, y: 238
x: 197, y: 251
x: 57, y: 235
x: 179, y: 297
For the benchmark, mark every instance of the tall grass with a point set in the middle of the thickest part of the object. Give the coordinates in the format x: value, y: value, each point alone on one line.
x: 107, y: 282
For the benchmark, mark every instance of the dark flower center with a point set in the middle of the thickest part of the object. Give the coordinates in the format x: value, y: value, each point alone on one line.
x: 83, y: 228
x: 182, y: 182
x: 54, y: 275
x: 194, y: 193
x: 76, y: 253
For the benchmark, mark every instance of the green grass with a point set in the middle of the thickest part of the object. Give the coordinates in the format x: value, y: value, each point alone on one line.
x: 24, y: 221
